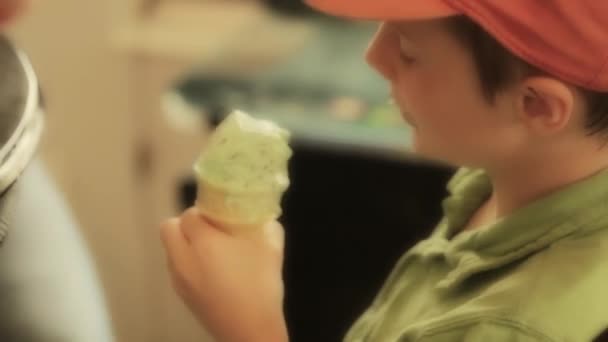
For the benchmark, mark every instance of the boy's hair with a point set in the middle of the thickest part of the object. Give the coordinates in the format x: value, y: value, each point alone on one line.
x: 499, y: 68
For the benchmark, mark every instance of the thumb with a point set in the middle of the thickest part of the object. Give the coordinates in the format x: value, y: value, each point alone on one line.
x: 179, y: 254
x: 194, y: 225
x: 275, y: 235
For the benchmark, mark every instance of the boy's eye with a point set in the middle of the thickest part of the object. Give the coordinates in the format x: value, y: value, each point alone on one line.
x: 405, y: 58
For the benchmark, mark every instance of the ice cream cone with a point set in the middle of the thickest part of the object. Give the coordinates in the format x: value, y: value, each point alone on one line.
x: 242, y: 172
x: 237, y: 210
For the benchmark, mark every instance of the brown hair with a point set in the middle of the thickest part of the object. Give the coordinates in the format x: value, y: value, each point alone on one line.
x: 499, y: 68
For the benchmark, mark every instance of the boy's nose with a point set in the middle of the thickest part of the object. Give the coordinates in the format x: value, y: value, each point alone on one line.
x: 379, y: 54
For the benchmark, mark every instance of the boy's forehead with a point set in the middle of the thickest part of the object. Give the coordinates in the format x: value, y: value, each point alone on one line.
x: 418, y: 27
x: 421, y: 32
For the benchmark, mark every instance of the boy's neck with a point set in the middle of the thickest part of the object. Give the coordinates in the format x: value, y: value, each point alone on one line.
x: 519, y: 184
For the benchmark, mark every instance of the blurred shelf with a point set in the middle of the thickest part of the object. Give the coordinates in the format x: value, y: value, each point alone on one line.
x: 325, y: 94
x: 213, y: 34
x: 382, y: 141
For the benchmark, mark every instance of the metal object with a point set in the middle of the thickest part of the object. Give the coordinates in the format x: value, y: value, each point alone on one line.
x: 21, y: 118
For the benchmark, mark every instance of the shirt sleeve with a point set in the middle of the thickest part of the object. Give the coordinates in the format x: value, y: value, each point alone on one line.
x: 496, y: 331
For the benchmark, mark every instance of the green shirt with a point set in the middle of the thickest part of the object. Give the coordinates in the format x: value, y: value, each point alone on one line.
x: 540, y: 274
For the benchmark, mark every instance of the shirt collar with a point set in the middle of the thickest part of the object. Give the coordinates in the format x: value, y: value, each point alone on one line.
x: 578, y: 208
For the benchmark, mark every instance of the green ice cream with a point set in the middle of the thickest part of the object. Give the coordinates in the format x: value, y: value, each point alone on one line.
x: 242, y: 172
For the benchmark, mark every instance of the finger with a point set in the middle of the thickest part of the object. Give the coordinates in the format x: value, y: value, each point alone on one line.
x: 276, y: 235
x: 177, y: 248
x: 193, y: 224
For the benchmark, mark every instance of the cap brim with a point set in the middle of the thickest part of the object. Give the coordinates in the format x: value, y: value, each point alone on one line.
x: 385, y: 9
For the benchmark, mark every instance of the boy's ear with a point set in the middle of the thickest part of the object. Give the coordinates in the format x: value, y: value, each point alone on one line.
x: 545, y: 104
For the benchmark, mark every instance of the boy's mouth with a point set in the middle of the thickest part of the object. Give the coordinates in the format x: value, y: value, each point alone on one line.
x: 407, y: 119
x: 403, y: 111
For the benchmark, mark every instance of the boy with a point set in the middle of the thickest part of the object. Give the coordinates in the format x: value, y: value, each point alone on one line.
x: 514, y: 91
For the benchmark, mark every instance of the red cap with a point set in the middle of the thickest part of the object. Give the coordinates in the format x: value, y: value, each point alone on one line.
x: 566, y: 38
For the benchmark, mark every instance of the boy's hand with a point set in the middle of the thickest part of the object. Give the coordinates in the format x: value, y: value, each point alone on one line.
x: 231, y: 282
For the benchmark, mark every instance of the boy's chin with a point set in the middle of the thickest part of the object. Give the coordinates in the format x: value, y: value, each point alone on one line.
x: 425, y: 153
x: 422, y: 151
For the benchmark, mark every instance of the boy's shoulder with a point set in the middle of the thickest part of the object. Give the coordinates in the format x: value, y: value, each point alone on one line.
x: 559, y: 292
x: 540, y: 274
x: 566, y: 286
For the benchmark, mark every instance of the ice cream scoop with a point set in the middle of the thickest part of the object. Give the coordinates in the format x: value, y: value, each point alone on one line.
x: 242, y: 171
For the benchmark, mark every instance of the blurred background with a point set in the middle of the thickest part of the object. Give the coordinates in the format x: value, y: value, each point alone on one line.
x: 133, y: 87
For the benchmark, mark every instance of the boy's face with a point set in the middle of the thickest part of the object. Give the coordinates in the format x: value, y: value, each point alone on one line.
x: 435, y: 84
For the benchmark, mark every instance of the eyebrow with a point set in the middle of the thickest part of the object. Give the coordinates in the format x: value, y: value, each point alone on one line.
x: 399, y: 30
